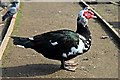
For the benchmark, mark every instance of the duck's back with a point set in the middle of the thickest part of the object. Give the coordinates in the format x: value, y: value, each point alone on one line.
x: 53, y: 44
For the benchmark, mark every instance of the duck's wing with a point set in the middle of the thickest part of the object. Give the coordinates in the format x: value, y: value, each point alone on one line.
x: 57, y: 44
x: 61, y: 37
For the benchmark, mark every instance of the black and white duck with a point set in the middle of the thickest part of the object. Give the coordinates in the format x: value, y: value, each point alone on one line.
x: 62, y: 45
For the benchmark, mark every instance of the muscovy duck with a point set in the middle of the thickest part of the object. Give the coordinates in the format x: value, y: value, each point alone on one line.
x: 60, y: 45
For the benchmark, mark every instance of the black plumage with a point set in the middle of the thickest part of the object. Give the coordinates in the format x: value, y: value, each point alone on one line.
x: 60, y: 45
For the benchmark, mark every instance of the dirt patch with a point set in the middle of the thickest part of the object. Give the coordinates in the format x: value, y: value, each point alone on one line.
x: 110, y: 13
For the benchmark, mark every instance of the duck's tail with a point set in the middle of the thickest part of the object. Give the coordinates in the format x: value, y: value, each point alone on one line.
x: 22, y: 42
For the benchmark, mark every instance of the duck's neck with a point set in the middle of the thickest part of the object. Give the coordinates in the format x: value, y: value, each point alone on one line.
x: 84, y: 31
x: 84, y: 35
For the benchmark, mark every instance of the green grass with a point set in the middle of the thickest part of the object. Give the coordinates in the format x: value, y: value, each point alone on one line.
x: 18, y: 20
x: 5, y: 57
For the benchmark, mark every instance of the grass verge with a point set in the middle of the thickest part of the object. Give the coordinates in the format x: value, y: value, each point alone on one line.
x: 15, y: 31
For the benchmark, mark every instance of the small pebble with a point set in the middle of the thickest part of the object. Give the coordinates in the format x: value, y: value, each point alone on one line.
x: 59, y: 11
x: 86, y: 58
x: 82, y: 67
x: 36, y: 31
x: 72, y: 15
x: 104, y: 37
x: 94, y: 67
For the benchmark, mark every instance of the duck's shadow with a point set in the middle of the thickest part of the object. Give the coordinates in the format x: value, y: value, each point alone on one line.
x: 30, y: 70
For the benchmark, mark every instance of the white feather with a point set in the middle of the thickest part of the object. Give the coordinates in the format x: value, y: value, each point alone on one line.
x: 20, y: 46
x: 80, y: 36
x: 53, y: 43
x: 87, y: 42
x: 31, y: 38
x: 80, y: 48
x: 70, y: 53
x: 64, y: 55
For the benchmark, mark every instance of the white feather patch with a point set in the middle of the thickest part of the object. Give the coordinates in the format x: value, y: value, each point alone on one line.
x: 53, y: 43
x: 79, y: 49
x: 87, y: 42
x: 64, y: 55
x: 81, y: 46
x: 90, y: 39
x: 70, y: 53
x: 20, y: 46
x: 31, y: 38
x: 80, y: 36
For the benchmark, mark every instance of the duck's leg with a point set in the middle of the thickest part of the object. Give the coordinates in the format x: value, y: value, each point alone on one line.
x: 71, y: 63
x: 67, y: 67
x: 62, y: 64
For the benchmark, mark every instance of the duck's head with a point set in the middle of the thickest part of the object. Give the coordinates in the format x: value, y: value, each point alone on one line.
x: 83, y: 30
